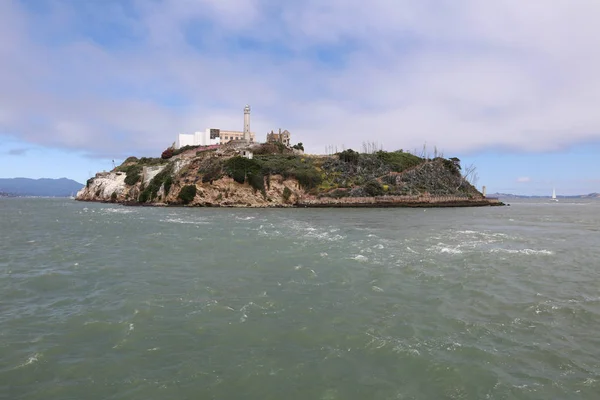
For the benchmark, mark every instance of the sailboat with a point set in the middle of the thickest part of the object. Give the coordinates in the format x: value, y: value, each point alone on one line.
x: 554, y: 195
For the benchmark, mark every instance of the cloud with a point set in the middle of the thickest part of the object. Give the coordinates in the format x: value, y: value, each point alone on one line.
x: 126, y: 77
x: 18, y: 151
x: 524, y: 179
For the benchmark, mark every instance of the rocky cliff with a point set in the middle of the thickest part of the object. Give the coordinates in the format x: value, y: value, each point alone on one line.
x: 275, y: 176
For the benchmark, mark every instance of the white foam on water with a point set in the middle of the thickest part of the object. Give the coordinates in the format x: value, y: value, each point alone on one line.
x: 185, y: 221
x: 378, y: 246
x: 528, y: 252
x: 450, y: 250
x: 443, y: 248
x: 454, y: 346
x: 31, y: 360
x: 591, y: 299
x: 117, y: 211
x: 376, y: 289
x: 589, y: 381
x: 306, y: 230
x: 360, y: 258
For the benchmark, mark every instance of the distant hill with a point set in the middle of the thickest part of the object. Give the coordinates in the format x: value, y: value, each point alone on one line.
x: 62, y: 187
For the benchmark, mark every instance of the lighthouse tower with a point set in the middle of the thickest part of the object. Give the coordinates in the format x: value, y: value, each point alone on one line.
x: 247, y: 124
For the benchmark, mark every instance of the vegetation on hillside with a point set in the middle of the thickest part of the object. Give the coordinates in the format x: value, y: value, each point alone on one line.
x: 347, y: 173
x: 164, y: 177
x: 187, y: 194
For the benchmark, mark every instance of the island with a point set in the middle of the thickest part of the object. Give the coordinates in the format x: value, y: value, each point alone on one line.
x: 275, y: 174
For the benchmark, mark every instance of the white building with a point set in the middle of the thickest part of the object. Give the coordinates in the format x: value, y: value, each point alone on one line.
x: 217, y: 136
x: 202, y: 138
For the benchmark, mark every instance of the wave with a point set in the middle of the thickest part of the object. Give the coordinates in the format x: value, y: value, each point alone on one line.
x: 117, y: 211
x: 523, y: 251
x: 31, y: 360
x: 185, y: 221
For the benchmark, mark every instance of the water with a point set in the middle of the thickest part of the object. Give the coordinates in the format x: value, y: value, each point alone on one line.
x: 101, y: 301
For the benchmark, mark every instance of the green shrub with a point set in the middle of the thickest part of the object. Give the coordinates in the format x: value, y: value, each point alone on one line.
x: 187, y: 194
x: 145, y: 195
x: 161, y: 178
x: 150, y: 161
x: 373, y: 188
x: 399, y: 161
x: 133, y: 173
x: 389, y: 179
x: 287, y: 193
x: 308, y: 179
x: 349, y: 156
x: 168, y: 183
x: 455, y: 161
x: 452, y: 166
x: 239, y: 168
x: 132, y: 179
x: 291, y: 166
x: 213, y: 173
x: 257, y: 181
x: 89, y: 182
x: 130, y: 160
x: 113, y: 197
x: 338, y: 193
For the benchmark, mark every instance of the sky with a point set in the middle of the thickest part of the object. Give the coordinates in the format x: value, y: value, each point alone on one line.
x: 509, y: 86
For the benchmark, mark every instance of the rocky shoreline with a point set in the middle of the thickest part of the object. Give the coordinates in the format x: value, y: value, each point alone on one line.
x: 409, y: 204
x: 359, y: 203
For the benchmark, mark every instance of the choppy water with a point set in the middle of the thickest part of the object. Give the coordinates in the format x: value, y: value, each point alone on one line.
x: 101, y: 301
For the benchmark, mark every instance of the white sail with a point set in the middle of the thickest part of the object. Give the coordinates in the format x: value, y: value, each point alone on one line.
x: 554, y: 194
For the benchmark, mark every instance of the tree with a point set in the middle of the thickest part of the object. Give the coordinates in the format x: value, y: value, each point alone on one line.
x: 187, y: 194
x: 469, y: 175
x: 374, y: 188
x: 456, y: 161
x: 349, y: 156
